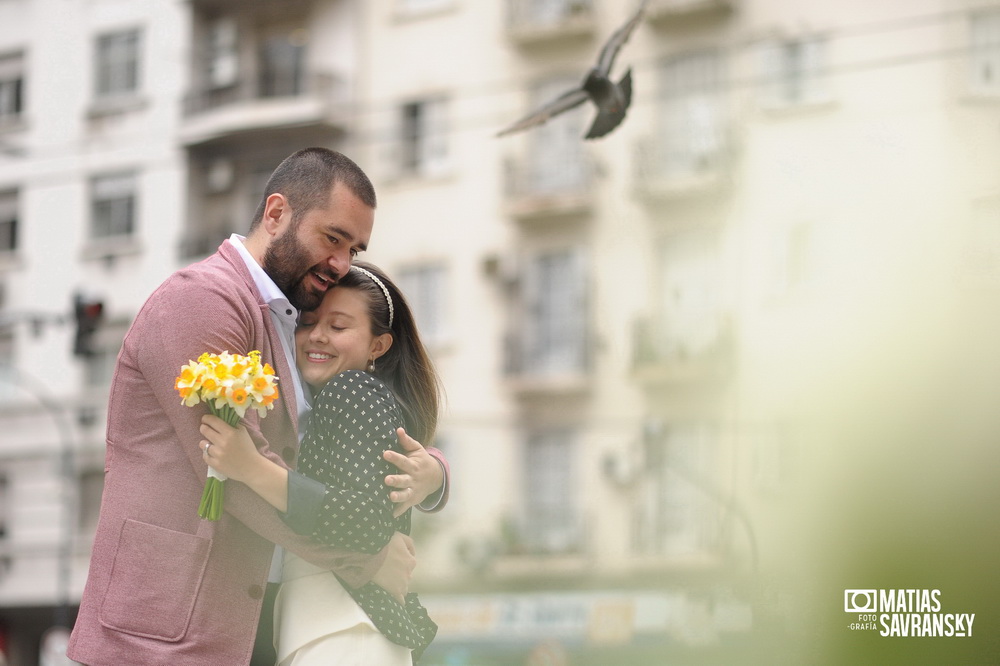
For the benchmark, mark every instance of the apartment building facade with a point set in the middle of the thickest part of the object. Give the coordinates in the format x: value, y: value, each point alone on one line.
x: 642, y: 339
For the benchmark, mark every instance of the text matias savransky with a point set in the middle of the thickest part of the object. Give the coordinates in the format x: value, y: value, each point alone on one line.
x: 905, y: 613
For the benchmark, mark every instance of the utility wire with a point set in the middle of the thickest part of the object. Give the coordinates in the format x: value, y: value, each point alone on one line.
x: 359, y: 136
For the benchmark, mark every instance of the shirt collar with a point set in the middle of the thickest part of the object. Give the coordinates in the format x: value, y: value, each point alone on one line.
x: 269, y: 291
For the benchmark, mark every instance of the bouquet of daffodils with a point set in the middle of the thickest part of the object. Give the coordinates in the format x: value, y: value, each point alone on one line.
x: 229, y: 384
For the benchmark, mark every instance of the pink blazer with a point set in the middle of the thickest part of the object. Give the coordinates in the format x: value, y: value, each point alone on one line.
x: 164, y: 586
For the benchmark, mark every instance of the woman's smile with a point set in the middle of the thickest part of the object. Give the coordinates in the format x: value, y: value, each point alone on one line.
x: 335, y: 337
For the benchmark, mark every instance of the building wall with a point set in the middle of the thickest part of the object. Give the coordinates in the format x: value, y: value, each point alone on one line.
x: 786, y: 278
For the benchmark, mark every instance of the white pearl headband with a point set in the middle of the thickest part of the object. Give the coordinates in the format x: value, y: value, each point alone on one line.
x: 388, y: 298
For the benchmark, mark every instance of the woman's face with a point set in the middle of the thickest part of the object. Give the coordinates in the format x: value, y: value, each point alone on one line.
x: 336, y: 337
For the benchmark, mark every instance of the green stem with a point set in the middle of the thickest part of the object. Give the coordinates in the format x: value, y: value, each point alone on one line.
x: 210, y: 507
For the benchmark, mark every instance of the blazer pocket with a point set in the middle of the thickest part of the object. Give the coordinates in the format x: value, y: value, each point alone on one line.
x: 154, y: 581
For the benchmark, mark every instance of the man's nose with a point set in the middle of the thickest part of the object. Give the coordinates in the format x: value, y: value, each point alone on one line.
x: 340, y: 263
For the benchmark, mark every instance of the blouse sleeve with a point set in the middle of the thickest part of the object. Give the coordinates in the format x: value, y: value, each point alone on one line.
x: 354, y: 419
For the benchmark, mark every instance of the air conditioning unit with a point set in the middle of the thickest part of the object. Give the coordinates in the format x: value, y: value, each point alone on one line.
x: 503, y: 268
x: 220, y: 176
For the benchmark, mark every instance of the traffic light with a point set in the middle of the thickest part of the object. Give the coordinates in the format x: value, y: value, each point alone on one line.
x: 88, y: 317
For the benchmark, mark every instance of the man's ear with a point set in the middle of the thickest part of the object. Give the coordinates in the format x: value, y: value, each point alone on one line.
x: 277, y: 213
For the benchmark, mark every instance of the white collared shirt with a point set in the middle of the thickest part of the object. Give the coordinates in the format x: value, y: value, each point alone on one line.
x: 284, y: 315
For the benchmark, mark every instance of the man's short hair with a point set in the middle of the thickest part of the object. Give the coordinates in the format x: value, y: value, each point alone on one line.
x: 306, y: 178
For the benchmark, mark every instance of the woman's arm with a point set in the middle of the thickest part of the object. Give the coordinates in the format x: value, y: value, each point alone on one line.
x: 354, y: 420
x: 353, y: 511
x: 342, y: 451
x: 233, y: 453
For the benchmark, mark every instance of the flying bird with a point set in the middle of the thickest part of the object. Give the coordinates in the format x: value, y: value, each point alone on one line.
x: 611, y: 99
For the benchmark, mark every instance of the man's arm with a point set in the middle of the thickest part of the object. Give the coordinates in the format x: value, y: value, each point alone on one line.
x: 182, y: 328
x: 303, y: 500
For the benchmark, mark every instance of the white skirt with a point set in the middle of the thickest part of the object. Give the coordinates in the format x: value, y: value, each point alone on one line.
x: 317, y: 623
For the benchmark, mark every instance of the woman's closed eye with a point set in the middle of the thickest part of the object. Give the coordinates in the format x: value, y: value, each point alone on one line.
x: 307, y: 320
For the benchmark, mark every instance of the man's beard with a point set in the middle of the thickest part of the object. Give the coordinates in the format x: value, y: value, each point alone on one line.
x: 287, y: 263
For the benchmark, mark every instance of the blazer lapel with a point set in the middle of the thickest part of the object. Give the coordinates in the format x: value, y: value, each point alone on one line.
x: 274, y: 353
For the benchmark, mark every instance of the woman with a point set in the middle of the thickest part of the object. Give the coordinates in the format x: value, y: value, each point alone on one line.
x: 360, y: 353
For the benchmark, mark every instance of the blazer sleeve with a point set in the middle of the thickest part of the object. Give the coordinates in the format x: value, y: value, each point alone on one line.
x: 185, y: 321
x: 354, y: 419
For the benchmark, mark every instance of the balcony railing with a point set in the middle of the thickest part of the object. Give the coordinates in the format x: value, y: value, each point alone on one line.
x: 543, y: 531
x: 535, y: 21
x: 530, y: 369
x: 665, y: 12
x: 662, y: 354
x: 318, y: 100
x: 548, y: 183
x: 666, y: 169
x: 318, y: 85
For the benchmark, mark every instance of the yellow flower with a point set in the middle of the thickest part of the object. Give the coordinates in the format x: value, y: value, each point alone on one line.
x: 229, y: 381
x: 230, y: 384
x: 239, y: 396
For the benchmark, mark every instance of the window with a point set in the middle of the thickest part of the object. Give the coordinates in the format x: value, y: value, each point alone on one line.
x: 223, y: 54
x: 551, y: 520
x: 8, y: 221
x: 985, y: 52
x: 794, y: 72
x: 423, y: 138
x: 546, y: 12
x: 557, y: 159
x: 555, y: 325
x: 424, y: 288
x: 113, y: 206
x: 11, y: 87
x: 117, y: 64
x: 691, y: 115
x: 679, y: 514
x: 690, y: 297
x: 282, y: 64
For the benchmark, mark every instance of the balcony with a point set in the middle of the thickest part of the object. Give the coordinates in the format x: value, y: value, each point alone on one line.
x: 534, y: 22
x: 668, y: 13
x: 666, y: 169
x: 548, y: 183
x: 318, y: 100
x: 532, y: 368
x: 541, y: 545
x: 665, y: 356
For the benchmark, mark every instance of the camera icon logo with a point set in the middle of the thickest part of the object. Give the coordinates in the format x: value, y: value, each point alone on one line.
x: 860, y: 601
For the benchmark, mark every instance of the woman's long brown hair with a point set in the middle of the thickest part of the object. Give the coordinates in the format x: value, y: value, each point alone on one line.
x: 406, y: 368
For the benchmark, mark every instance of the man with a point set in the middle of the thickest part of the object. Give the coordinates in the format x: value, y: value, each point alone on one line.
x: 164, y: 586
